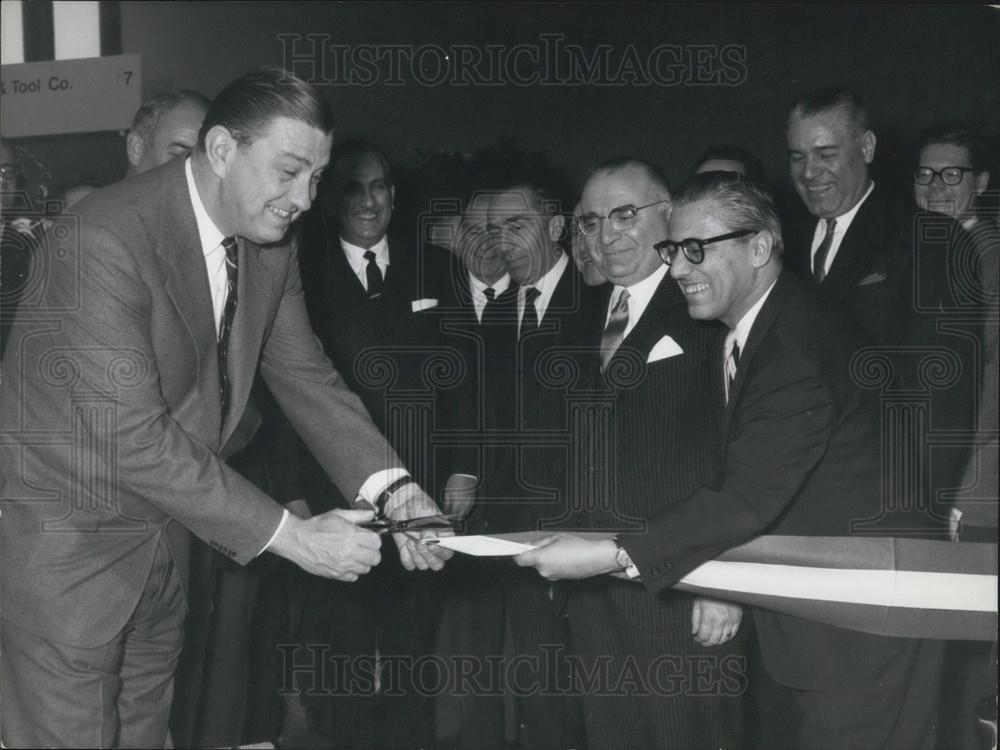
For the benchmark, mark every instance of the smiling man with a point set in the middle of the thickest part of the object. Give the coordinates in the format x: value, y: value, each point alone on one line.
x: 856, y: 241
x: 652, y: 440
x: 183, y: 283
x: 800, y: 456
x: 371, y: 293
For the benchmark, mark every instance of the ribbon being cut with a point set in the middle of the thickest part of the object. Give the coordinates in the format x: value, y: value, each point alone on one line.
x: 907, y: 588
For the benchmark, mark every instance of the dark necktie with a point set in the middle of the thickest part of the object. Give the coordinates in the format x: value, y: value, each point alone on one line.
x: 614, y: 331
x: 491, y: 303
x: 819, y: 260
x: 373, y: 275
x: 228, y: 314
x: 732, y: 362
x: 529, y: 322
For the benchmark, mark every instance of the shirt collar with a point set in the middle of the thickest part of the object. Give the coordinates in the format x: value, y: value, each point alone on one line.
x: 478, y: 286
x: 742, y: 330
x: 546, y: 285
x: 209, y: 234
x: 845, y: 219
x: 639, y: 295
x: 356, y: 254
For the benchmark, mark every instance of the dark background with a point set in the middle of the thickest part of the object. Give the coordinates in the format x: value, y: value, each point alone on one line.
x: 913, y: 64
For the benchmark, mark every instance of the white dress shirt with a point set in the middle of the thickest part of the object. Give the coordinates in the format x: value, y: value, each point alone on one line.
x: 742, y: 330
x: 546, y: 287
x: 843, y: 224
x: 478, y: 288
x: 640, y: 294
x: 215, y: 265
x: 356, y: 258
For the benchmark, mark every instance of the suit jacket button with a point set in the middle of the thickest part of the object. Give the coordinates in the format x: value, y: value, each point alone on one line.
x: 654, y: 571
x: 667, y: 565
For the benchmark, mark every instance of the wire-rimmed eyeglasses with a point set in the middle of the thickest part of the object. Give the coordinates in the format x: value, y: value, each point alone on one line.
x: 621, y: 218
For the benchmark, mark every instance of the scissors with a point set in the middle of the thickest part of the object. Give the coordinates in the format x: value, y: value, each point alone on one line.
x: 389, y: 526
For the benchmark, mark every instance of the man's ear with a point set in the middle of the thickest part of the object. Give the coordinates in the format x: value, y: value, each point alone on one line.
x: 134, y: 147
x: 761, y: 248
x: 220, y: 147
x: 556, y: 225
x: 868, y: 146
x: 982, y: 182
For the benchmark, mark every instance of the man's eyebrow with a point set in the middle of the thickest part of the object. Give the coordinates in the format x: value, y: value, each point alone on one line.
x: 300, y: 159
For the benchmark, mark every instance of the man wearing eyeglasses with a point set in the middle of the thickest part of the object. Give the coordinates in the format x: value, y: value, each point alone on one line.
x: 856, y: 241
x: 654, y: 438
x: 801, y: 457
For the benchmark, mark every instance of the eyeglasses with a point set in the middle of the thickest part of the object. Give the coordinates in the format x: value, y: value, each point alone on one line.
x: 694, y: 248
x: 949, y: 175
x: 10, y: 172
x: 621, y: 218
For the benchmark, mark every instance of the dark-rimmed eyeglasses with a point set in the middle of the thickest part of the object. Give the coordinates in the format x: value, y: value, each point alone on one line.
x: 621, y: 218
x: 949, y: 175
x: 693, y: 247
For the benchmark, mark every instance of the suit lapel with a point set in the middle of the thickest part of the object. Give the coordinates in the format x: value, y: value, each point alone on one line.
x: 254, y: 298
x: 665, y: 304
x: 857, y: 249
x: 179, y: 248
x: 765, y: 319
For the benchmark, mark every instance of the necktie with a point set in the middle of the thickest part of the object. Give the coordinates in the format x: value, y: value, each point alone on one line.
x: 491, y: 302
x: 373, y: 274
x: 732, y: 362
x: 614, y: 331
x: 819, y: 260
x: 529, y: 322
x: 228, y: 314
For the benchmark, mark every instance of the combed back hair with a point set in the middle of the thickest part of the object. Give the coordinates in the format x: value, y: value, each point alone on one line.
x: 837, y: 97
x: 745, y: 205
x: 248, y: 105
x: 539, y: 198
x: 350, y: 149
x: 981, y: 150
x: 753, y: 168
x: 147, y: 117
x: 655, y: 175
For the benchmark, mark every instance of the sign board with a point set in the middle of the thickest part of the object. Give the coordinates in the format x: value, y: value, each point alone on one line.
x: 69, y: 96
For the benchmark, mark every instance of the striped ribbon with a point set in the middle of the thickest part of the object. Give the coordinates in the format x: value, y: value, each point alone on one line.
x: 886, y: 586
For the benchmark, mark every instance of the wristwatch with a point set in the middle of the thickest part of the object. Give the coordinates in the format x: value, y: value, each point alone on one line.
x: 624, y: 561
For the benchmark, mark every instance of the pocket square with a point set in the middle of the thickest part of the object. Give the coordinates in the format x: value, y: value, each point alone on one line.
x: 423, y: 304
x: 665, y: 347
x: 872, y: 278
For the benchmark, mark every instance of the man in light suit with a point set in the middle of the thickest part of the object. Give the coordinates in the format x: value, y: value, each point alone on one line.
x: 115, y: 431
x: 800, y: 457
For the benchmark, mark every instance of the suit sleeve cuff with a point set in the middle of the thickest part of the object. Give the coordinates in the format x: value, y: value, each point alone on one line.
x: 281, y: 523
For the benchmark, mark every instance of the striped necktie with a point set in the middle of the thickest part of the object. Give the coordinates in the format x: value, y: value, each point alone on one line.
x: 823, y: 251
x: 614, y: 331
x: 732, y: 362
x: 228, y: 314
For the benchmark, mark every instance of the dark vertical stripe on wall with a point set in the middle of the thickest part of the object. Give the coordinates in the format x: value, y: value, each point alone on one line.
x: 39, y: 33
x: 111, y: 27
